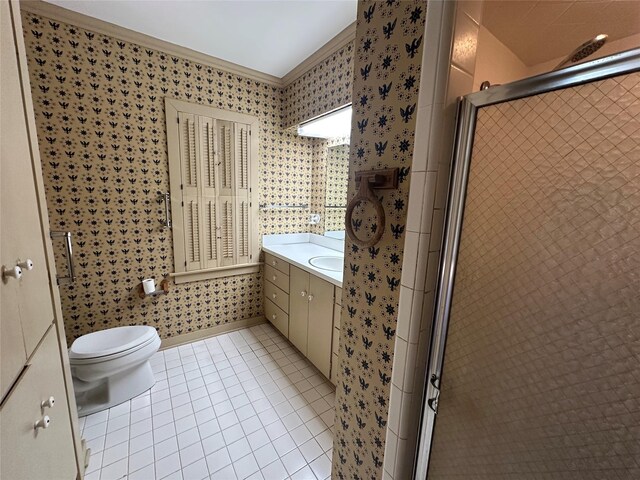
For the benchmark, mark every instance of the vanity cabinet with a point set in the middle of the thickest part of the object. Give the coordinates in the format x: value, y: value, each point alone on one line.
x: 301, y: 306
x: 311, y: 318
x: 276, y: 293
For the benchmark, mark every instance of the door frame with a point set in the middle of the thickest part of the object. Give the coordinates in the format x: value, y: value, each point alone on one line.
x: 468, y: 106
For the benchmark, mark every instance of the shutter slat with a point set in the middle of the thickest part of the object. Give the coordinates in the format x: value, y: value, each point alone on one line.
x: 242, y: 160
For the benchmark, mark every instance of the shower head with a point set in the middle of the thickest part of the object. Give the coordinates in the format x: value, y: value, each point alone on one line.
x: 583, y: 51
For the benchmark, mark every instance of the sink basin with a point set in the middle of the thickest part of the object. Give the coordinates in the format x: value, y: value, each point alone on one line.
x: 333, y: 264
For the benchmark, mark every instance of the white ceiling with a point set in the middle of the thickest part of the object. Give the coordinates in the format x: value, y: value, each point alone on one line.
x: 541, y: 30
x: 271, y: 36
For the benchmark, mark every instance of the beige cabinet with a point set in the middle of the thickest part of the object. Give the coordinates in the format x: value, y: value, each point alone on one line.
x: 299, y: 309
x: 32, y: 453
x: 34, y: 364
x: 276, y: 293
x: 311, y: 318
x: 24, y: 320
x: 302, y: 307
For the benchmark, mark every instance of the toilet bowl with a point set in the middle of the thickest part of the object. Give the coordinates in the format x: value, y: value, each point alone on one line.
x: 112, y: 366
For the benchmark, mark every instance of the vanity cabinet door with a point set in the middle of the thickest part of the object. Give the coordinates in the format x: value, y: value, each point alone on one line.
x: 299, y: 308
x: 320, y: 324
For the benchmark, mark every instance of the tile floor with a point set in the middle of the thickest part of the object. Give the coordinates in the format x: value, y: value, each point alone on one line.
x: 241, y: 405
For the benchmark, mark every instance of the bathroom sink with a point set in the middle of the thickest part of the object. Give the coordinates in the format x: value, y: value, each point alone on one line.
x: 333, y: 264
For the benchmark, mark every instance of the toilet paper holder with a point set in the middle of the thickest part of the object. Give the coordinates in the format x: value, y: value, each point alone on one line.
x: 163, y: 290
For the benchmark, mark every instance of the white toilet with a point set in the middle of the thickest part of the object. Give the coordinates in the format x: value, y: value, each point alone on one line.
x: 112, y: 366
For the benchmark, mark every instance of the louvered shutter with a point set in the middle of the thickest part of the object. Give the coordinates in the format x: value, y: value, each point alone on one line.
x: 242, y: 193
x: 210, y: 251
x: 190, y: 178
x: 226, y: 192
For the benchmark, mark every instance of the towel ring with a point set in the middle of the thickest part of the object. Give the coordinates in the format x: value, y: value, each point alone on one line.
x: 368, y: 180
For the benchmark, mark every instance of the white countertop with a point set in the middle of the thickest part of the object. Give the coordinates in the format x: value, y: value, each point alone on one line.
x: 300, y: 252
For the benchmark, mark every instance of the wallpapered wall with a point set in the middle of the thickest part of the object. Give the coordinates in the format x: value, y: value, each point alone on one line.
x: 99, y: 111
x: 336, y: 186
x: 386, y: 79
x: 322, y: 88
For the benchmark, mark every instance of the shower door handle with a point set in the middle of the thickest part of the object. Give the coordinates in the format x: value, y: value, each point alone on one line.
x: 433, y: 401
x: 68, y: 243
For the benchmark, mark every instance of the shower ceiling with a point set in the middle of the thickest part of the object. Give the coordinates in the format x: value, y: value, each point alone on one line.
x: 538, y: 31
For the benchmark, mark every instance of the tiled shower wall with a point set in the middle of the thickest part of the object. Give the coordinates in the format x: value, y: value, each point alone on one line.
x: 99, y: 112
x: 447, y: 73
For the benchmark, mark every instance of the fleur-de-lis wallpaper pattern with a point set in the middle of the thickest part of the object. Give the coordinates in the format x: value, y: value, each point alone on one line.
x: 335, y: 197
x: 321, y: 89
x: 99, y: 108
x: 386, y: 78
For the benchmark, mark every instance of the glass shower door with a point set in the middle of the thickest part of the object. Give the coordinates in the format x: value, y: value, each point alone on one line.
x: 541, y: 374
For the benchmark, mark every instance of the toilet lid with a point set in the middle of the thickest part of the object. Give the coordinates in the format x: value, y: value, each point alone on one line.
x: 110, y: 341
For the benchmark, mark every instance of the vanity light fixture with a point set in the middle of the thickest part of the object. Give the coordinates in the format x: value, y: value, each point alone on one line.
x: 330, y: 125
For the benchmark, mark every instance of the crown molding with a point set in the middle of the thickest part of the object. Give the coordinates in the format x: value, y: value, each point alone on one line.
x: 61, y: 14
x: 332, y: 46
x: 65, y: 15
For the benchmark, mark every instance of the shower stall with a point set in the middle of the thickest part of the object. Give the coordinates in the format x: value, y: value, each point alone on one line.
x: 534, y: 368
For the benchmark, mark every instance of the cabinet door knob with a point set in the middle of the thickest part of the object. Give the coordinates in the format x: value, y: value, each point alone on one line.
x: 48, y: 403
x: 274, y: 262
x: 310, y: 298
x: 274, y: 278
x: 303, y: 293
x: 26, y: 265
x: 274, y: 295
x: 274, y: 316
x: 13, y: 272
x: 44, y: 422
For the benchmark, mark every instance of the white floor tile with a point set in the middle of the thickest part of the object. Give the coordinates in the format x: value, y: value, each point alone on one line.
x: 293, y: 461
x: 196, y: 471
x: 305, y: 473
x: 275, y: 471
x: 240, y: 405
x: 245, y: 466
x: 141, y: 459
x: 265, y: 455
x: 167, y: 465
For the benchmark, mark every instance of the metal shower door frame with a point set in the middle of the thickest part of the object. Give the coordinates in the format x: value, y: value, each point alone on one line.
x: 599, y: 69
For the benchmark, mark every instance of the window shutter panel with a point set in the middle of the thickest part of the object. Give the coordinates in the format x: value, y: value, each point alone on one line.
x: 242, y: 197
x: 226, y: 153
x: 209, y: 189
x: 191, y: 173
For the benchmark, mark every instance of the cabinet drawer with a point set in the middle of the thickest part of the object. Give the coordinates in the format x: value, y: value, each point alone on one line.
x: 43, y: 453
x: 277, y: 296
x: 335, y: 341
x: 338, y: 296
x: 334, y: 368
x: 337, y: 312
x: 276, y: 263
x: 279, y: 279
x: 277, y: 317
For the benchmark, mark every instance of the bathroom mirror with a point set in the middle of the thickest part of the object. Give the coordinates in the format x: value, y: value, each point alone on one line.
x: 335, y: 202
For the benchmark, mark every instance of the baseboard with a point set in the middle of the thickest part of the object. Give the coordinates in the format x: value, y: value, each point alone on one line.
x: 210, y: 332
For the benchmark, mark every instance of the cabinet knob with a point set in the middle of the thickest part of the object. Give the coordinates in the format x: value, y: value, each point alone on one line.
x: 44, y: 422
x: 26, y: 265
x: 310, y: 298
x: 274, y: 262
x: 274, y: 278
x: 303, y: 293
x: 48, y: 403
x: 274, y: 316
x: 13, y: 272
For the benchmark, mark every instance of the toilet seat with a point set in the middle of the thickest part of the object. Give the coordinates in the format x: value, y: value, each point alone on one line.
x: 110, y: 344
